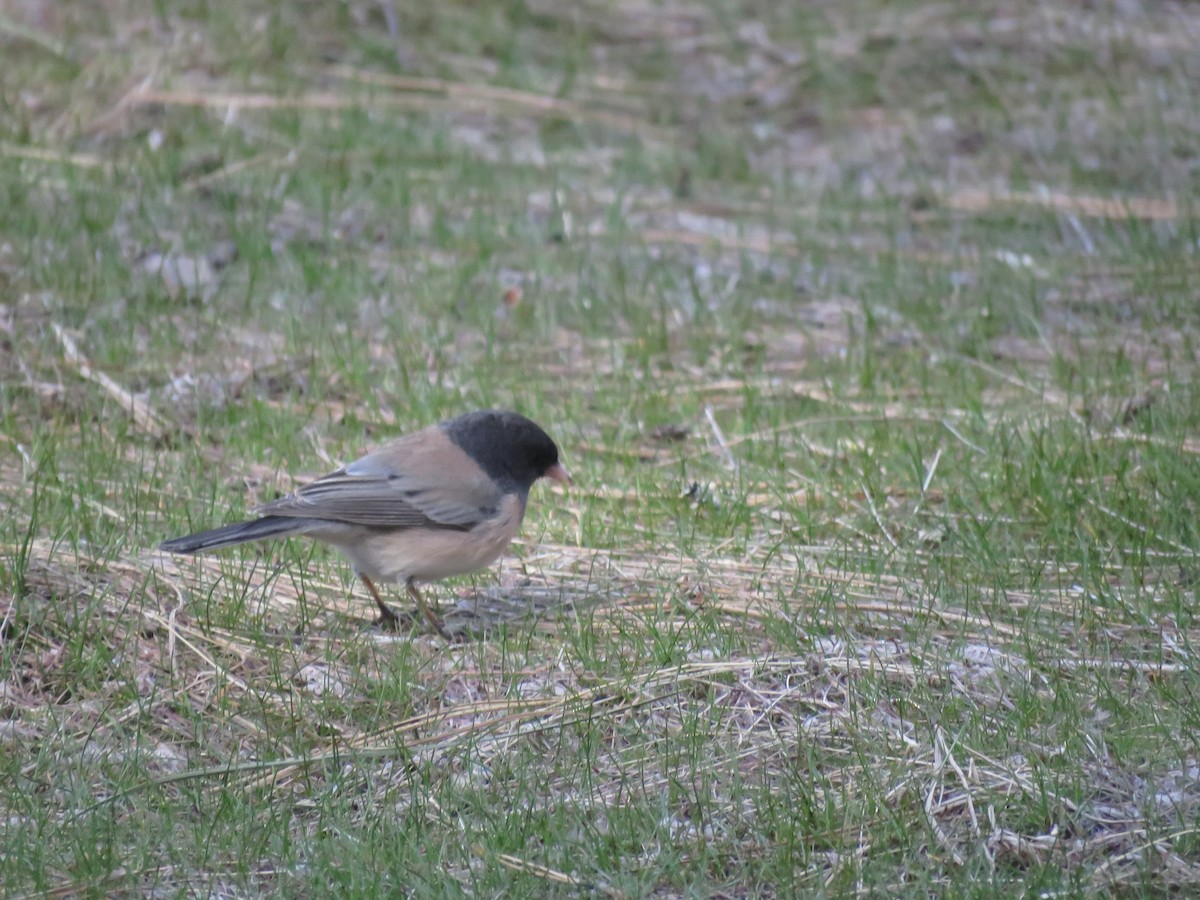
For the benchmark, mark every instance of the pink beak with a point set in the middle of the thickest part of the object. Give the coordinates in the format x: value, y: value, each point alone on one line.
x: 559, y: 473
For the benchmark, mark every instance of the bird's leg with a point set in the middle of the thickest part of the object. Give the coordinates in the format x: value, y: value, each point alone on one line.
x: 387, y: 620
x: 429, y: 613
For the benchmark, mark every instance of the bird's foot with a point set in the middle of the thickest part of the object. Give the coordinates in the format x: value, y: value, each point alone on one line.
x: 389, y: 621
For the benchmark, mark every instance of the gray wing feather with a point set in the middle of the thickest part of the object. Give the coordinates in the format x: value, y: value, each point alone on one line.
x: 402, y: 485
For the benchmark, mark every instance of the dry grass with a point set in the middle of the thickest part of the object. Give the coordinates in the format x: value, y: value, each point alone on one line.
x: 871, y: 332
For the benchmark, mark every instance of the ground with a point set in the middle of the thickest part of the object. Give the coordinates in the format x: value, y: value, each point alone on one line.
x: 869, y: 330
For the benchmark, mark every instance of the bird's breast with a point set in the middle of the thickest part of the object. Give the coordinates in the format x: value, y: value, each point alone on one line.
x: 427, y: 554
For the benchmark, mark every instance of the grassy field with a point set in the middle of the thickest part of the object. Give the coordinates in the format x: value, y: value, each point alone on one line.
x: 869, y: 330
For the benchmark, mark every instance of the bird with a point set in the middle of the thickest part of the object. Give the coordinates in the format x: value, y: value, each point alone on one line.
x: 443, y: 501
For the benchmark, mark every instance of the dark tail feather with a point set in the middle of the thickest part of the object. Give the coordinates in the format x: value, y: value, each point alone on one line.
x: 257, y: 530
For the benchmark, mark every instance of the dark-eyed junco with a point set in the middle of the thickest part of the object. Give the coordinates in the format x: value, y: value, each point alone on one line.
x: 444, y: 501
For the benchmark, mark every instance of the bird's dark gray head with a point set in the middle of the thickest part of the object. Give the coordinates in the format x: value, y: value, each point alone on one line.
x: 509, y: 447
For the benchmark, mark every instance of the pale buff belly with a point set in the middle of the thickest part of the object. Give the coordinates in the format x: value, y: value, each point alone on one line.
x: 427, y: 555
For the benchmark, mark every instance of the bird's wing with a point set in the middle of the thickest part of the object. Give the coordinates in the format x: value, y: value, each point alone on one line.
x: 422, y: 480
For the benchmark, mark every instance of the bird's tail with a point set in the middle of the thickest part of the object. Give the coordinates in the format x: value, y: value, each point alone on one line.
x: 228, y: 535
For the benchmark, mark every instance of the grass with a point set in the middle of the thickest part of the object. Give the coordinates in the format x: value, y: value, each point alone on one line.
x: 868, y: 330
